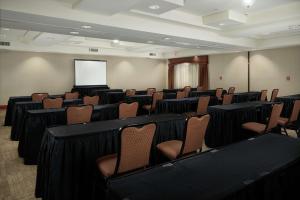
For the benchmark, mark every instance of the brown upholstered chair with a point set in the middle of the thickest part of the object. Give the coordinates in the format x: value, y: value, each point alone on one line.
x: 199, y: 88
x: 227, y: 99
x: 272, y: 122
x: 180, y: 95
x: 219, y: 92
x: 231, y: 90
x: 71, y: 95
x: 194, y: 137
x: 150, y: 91
x: 187, y: 90
x: 289, y: 122
x: 134, y: 151
x: 94, y: 100
x: 274, y: 95
x: 263, y: 95
x: 130, y: 92
x: 52, y: 103
x: 128, y: 110
x: 155, y: 97
x: 38, y: 97
x: 79, y: 114
x: 203, y: 104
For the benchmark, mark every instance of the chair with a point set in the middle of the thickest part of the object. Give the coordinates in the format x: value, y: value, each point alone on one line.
x: 274, y: 95
x: 155, y: 97
x: 289, y: 122
x: 38, y: 97
x: 263, y: 95
x: 130, y: 92
x: 128, y: 110
x: 134, y: 152
x: 272, y: 122
x: 231, y: 90
x: 71, y: 95
x: 187, y: 90
x: 199, y: 88
x: 79, y: 114
x: 94, y: 100
x: 150, y: 91
x: 219, y: 92
x: 227, y: 99
x: 203, y: 104
x: 49, y: 103
x: 194, y: 137
x: 180, y: 95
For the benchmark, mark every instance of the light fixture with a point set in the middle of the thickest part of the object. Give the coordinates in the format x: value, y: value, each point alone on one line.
x: 154, y: 7
x: 166, y: 38
x: 221, y: 24
x: 74, y: 32
x: 150, y: 42
x: 116, y: 41
x: 86, y: 26
x: 5, y: 29
x: 248, y: 3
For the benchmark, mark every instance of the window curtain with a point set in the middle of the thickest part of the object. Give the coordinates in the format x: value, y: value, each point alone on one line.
x: 186, y: 74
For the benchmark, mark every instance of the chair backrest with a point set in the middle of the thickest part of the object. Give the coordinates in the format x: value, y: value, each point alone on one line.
x: 156, y: 97
x: 130, y: 92
x: 274, y: 94
x: 187, y: 90
x: 38, y: 97
x: 275, y: 115
x: 94, y: 100
x: 199, y: 88
x: 195, y: 132
x: 52, y: 103
x: 263, y: 95
x: 227, y: 99
x: 135, y: 147
x: 79, y: 114
x: 231, y: 90
x: 180, y: 95
x: 295, y: 112
x: 71, y: 95
x: 219, y: 92
x: 203, y: 104
x: 150, y: 91
x: 128, y: 110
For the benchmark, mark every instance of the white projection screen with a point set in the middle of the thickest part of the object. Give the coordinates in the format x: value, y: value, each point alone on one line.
x: 90, y: 72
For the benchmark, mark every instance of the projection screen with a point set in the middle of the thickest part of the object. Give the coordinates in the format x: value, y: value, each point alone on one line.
x: 90, y: 72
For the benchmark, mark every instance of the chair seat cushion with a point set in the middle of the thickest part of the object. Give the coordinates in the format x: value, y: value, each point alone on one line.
x: 255, y: 127
x: 147, y: 107
x: 171, y: 148
x: 107, y: 164
x: 283, y: 121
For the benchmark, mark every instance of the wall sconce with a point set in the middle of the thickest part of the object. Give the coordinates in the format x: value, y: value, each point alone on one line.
x: 220, y: 77
x: 288, y: 78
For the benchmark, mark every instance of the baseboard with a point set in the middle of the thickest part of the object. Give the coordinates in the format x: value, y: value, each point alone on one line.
x: 3, y: 107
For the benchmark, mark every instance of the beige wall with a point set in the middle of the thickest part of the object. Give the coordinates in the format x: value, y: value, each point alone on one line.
x: 22, y: 73
x: 269, y: 69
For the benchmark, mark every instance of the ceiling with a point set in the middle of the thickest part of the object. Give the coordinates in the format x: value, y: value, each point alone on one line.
x: 148, y: 28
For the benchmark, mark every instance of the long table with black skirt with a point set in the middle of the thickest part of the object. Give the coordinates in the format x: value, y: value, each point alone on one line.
x: 226, y: 121
x: 87, y: 90
x: 205, y: 93
x: 113, y: 97
x: 176, y: 90
x: 67, y: 157
x: 246, y: 96
x: 102, y: 94
x: 288, y: 104
x: 20, y: 110
x: 36, y: 122
x: 264, y: 168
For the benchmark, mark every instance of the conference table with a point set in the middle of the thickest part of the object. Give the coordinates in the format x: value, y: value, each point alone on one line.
x: 205, y: 93
x: 87, y: 90
x: 226, y: 121
x: 113, y: 97
x: 36, y: 122
x: 66, y: 163
x: 266, y: 167
x: 102, y: 94
x: 20, y: 109
x: 246, y: 96
x: 288, y: 104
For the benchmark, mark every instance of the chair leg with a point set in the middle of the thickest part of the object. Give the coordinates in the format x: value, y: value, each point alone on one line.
x: 284, y: 128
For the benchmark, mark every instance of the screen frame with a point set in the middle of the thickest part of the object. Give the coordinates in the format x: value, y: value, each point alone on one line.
x: 74, y: 61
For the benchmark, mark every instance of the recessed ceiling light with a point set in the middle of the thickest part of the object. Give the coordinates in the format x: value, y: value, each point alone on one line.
x: 221, y: 24
x: 150, y: 42
x: 5, y: 29
x: 74, y: 32
x: 248, y: 3
x: 154, y: 7
x: 166, y: 38
x: 86, y: 26
x: 116, y: 41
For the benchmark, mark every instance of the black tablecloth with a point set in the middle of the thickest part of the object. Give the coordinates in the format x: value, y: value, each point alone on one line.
x: 36, y: 121
x: 20, y: 110
x: 288, y: 104
x: 266, y: 168
x: 204, y: 93
x: 88, y: 90
x: 66, y: 164
x: 246, y: 96
x: 113, y: 97
x: 142, y: 100
x: 176, y: 90
x: 102, y: 93
x: 226, y: 121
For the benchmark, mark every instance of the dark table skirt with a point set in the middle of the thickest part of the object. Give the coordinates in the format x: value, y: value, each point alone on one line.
x: 246, y: 96
x: 88, y: 90
x: 288, y: 104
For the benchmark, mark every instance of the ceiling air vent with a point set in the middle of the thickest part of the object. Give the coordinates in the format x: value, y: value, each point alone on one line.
x: 94, y: 50
x: 2, y: 43
x: 152, y: 54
